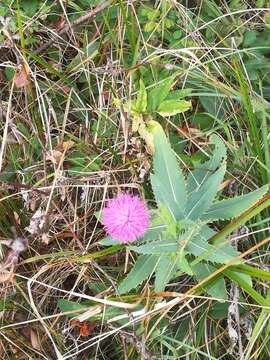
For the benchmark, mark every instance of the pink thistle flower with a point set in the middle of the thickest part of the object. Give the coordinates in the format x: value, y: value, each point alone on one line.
x: 125, y: 218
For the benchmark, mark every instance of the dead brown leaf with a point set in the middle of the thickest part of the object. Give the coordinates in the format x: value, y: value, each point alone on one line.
x: 37, y: 222
x: 55, y: 155
x: 35, y: 340
x: 190, y: 132
x: 86, y: 327
x: 67, y: 145
x: 55, y: 65
x: 22, y: 76
x: 59, y: 24
x: 66, y: 89
x: 7, y: 276
x: 16, y: 246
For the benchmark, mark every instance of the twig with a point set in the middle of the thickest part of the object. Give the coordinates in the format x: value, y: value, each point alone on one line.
x: 80, y: 20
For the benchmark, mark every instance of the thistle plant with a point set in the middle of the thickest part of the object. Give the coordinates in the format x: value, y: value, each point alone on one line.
x: 125, y: 218
x: 177, y: 240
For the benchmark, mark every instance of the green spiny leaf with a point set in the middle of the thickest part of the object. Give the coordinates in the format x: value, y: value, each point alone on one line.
x: 183, y: 264
x: 217, y: 288
x: 199, y: 176
x: 144, y: 267
x: 157, y: 247
x: 221, y: 253
x: 167, y: 181
x: 166, y: 269
x: 167, y: 219
x: 153, y: 233
x: 201, y: 200
x: 230, y: 208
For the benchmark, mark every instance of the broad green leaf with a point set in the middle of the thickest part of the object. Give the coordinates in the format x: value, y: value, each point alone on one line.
x: 200, y: 175
x: 137, y: 121
x: 152, y: 14
x: 215, y: 105
x: 67, y: 305
x: 230, y: 208
x: 159, y: 93
x: 178, y: 94
x: 168, y: 182
x: 203, y: 121
x: 173, y: 107
x: 106, y: 314
x: 150, y: 26
x: 217, y: 288
x: 147, y: 137
x: 165, y: 271
x: 200, y: 201
x: 157, y: 247
x: 221, y: 253
x: 144, y: 267
x: 219, y: 311
x: 141, y: 102
x: 168, y: 23
x: 29, y: 7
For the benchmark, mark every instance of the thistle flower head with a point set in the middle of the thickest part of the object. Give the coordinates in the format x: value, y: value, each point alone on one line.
x: 125, y: 218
